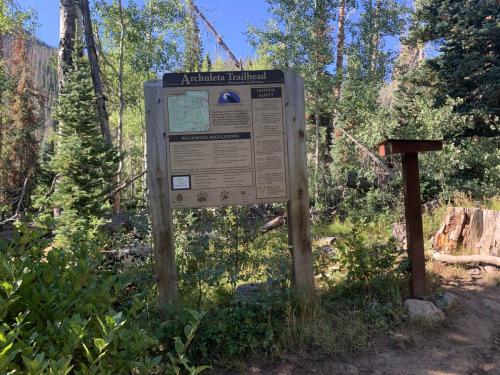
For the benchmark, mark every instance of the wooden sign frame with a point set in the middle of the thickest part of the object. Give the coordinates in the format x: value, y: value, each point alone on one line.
x: 299, y: 223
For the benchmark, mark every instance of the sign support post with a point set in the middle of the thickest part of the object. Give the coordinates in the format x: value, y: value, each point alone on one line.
x: 299, y: 222
x: 413, y: 205
x: 161, y: 215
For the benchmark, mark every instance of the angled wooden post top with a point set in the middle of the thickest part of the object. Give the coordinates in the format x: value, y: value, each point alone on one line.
x: 408, y: 146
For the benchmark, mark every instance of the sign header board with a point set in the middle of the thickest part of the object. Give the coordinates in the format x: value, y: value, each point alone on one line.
x: 226, y: 138
x: 223, y: 78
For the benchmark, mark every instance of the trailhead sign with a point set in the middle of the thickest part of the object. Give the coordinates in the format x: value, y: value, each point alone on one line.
x: 226, y: 138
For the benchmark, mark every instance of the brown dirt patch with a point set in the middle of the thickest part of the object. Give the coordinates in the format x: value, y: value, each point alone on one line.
x: 467, y: 344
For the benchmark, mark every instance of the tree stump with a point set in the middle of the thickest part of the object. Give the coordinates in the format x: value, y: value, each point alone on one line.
x: 473, y: 229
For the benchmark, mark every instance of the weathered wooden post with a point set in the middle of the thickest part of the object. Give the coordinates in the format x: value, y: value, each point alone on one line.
x: 299, y: 221
x: 161, y: 215
x: 413, y: 204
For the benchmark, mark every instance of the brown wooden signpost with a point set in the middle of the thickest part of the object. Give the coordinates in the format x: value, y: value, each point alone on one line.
x: 409, y: 150
x: 226, y: 138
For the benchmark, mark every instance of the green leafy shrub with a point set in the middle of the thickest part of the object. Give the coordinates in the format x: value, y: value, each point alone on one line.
x: 366, y: 261
x: 57, y: 315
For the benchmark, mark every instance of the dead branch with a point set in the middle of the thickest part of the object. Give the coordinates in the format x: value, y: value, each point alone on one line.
x: 218, y: 38
x: 53, y: 185
x: 124, y: 185
x: 23, y: 193
x: 467, y: 259
x: 365, y: 151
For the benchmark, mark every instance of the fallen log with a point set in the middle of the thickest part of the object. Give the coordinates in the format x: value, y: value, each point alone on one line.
x: 467, y: 259
x: 273, y: 224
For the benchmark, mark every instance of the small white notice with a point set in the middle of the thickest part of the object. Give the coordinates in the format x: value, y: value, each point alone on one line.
x: 181, y: 182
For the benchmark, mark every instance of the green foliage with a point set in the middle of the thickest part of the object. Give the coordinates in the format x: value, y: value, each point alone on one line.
x: 193, y: 48
x: 57, y: 315
x: 469, y: 64
x: 218, y: 248
x: 454, y: 96
x: 151, y: 46
x: 366, y: 260
x: 83, y: 162
x: 243, y: 328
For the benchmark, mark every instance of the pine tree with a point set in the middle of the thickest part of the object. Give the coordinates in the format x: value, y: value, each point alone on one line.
x: 83, y: 162
x: 192, y: 42
x: 468, y: 66
x: 455, y: 96
x: 206, y: 66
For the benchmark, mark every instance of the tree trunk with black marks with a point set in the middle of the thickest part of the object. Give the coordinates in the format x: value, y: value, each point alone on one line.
x: 95, y: 71
x: 121, y: 108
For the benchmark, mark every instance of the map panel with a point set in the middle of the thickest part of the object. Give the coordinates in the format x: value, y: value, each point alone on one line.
x: 188, y: 112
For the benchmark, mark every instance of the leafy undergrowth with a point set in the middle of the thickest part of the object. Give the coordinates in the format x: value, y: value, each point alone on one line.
x: 60, y: 313
x: 63, y: 311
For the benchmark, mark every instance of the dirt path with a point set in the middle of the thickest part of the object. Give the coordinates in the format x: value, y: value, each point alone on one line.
x: 469, y: 342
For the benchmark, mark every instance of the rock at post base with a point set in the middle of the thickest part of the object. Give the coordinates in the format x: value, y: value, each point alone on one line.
x: 418, y: 309
x: 447, y: 302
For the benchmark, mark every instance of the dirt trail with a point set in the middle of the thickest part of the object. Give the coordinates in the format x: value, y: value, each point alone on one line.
x: 468, y: 344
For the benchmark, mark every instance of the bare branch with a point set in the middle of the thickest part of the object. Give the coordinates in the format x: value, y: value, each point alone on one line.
x: 124, y: 185
x: 218, y: 38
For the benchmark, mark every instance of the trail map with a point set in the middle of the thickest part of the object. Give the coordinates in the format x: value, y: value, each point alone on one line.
x: 188, y: 112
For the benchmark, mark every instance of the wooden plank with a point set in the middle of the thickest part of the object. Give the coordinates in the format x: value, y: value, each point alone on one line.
x: 299, y: 221
x: 414, y: 231
x: 161, y: 216
x: 402, y: 146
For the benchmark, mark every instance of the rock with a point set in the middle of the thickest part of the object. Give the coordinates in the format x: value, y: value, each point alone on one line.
x: 325, y: 241
x: 349, y: 369
x: 247, y: 292
x: 327, y: 249
x: 418, y: 309
x: 447, y: 302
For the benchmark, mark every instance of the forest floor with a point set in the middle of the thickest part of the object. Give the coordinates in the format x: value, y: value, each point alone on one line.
x: 467, y: 343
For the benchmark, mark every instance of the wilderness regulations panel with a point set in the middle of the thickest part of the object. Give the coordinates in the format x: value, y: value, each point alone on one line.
x: 226, y: 138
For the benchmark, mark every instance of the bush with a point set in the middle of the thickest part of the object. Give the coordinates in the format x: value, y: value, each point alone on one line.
x: 57, y: 315
x: 366, y: 261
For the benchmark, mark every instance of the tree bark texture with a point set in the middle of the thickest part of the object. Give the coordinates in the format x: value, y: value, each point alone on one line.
x: 95, y: 71
x: 67, y: 35
x: 467, y: 259
x: 339, y: 64
x: 475, y: 230
x: 121, y: 99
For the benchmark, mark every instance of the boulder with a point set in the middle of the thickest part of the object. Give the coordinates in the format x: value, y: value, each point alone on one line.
x: 447, y: 302
x: 423, y: 310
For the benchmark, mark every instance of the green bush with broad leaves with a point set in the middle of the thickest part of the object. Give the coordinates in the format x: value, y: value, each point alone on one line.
x: 58, y: 315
